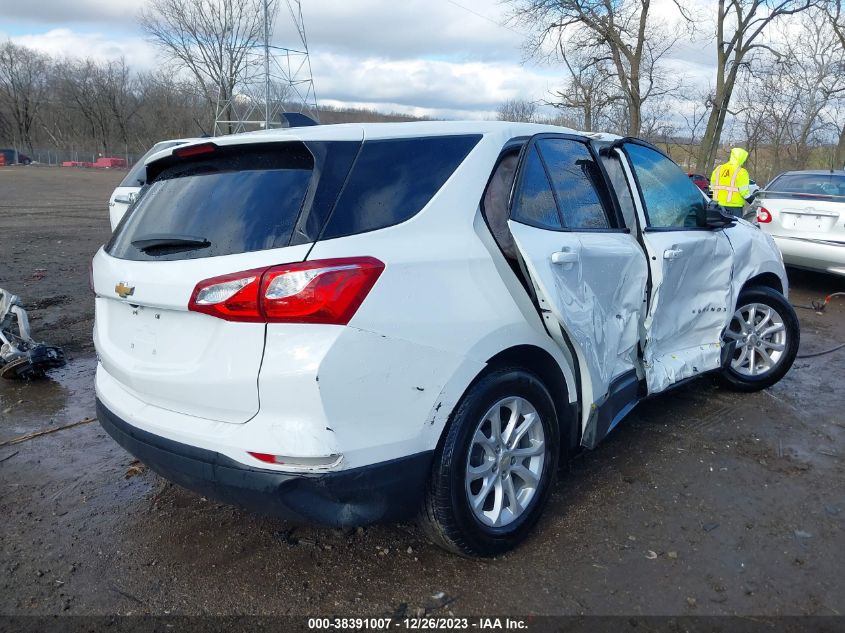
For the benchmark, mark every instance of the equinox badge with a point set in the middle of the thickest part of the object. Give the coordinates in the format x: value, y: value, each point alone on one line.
x: 123, y: 290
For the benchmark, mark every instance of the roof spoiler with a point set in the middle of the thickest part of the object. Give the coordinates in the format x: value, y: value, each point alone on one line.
x: 296, y: 119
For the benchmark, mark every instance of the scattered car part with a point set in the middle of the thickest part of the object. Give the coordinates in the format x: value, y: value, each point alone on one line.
x: 20, y: 356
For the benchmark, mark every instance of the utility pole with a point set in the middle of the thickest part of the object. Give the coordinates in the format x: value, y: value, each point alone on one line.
x: 275, y: 79
x: 266, y: 64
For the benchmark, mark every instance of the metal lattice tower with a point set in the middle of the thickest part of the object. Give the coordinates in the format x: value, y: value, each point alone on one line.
x: 276, y: 79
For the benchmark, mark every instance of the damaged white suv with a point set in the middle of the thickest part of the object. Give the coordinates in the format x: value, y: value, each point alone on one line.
x: 352, y: 323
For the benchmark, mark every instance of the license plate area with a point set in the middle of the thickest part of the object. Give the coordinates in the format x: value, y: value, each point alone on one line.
x: 142, y: 330
x: 809, y: 222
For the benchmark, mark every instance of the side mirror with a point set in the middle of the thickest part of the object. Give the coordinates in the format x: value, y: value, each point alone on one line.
x: 714, y: 216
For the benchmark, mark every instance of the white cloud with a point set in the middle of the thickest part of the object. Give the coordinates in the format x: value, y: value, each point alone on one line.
x: 64, y: 42
x: 432, y: 84
x: 431, y: 57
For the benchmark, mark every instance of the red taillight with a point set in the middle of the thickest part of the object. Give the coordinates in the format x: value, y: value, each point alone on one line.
x: 763, y: 215
x: 232, y: 297
x: 322, y: 291
x: 194, y: 150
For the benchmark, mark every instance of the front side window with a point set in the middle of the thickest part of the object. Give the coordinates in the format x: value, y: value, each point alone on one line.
x: 578, y: 183
x: 671, y: 199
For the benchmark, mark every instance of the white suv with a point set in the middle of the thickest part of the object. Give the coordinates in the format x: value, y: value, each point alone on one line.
x: 352, y: 323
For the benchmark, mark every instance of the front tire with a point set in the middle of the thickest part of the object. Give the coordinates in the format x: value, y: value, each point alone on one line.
x: 766, y: 335
x: 493, y: 471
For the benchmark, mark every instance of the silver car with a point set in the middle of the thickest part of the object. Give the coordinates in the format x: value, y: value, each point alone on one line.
x: 804, y: 211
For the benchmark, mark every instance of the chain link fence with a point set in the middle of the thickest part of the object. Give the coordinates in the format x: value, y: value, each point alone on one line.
x: 55, y: 157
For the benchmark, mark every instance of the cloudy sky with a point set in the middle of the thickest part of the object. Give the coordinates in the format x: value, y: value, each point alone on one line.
x: 444, y: 58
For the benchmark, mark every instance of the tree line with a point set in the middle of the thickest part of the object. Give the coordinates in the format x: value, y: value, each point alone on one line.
x: 778, y: 82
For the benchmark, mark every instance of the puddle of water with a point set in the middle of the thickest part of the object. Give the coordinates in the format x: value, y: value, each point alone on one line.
x: 65, y: 396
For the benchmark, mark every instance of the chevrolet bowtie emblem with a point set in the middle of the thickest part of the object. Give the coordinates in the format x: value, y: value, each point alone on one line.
x: 123, y: 290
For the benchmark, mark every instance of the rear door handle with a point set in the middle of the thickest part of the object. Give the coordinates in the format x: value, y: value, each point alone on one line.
x: 672, y: 253
x: 564, y: 257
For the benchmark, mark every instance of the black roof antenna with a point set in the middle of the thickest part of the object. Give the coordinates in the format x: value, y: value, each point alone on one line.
x: 296, y: 119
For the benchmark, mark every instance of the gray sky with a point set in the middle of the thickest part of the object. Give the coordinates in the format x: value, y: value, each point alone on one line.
x: 445, y: 58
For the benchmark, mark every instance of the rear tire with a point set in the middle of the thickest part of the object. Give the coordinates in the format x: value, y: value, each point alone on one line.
x: 494, y: 469
x: 766, y: 333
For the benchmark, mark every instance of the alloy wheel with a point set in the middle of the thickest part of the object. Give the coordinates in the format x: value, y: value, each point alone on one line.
x: 505, y: 462
x: 760, y: 336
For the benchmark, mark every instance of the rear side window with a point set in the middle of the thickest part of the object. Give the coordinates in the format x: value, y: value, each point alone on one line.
x: 613, y: 167
x: 392, y: 180
x: 230, y: 202
x: 577, y: 181
x: 534, y: 203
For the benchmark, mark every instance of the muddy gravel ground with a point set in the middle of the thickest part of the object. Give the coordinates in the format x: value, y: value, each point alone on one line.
x: 703, y: 502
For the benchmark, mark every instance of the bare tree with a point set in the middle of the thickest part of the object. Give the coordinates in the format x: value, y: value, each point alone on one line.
x: 23, y: 74
x: 210, y: 38
x: 788, y: 102
x: 517, y: 110
x: 589, y: 90
x: 740, y: 29
x: 623, y: 30
x: 836, y: 16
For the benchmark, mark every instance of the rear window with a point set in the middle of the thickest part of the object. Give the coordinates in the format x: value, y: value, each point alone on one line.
x: 233, y: 201
x: 137, y: 176
x: 392, y: 181
x: 814, y: 184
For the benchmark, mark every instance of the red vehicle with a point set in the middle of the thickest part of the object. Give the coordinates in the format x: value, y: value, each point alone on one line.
x: 702, y: 182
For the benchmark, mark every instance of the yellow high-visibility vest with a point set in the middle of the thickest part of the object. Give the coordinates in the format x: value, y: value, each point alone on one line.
x: 729, y: 182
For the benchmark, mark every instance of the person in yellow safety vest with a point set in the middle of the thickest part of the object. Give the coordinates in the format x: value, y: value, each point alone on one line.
x: 729, y: 182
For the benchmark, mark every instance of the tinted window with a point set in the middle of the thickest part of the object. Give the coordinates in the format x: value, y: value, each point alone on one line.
x: 495, y: 203
x: 671, y: 199
x: 613, y: 167
x: 816, y: 184
x: 137, y: 176
x: 534, y: 203
x: 577, y: 182
x: 246, y: 200
x: 392, y: 180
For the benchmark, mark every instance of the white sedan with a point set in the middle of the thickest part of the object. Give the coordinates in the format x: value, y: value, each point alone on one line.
x: 804, y: 211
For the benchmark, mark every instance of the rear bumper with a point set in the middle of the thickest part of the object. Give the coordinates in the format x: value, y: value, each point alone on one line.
x: 812, y: 254
x: 386, y: 491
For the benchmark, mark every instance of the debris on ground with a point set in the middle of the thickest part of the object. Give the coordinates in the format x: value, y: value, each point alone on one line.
x: 135, y: 468
x: 29, y: 436
x: 20, y: 356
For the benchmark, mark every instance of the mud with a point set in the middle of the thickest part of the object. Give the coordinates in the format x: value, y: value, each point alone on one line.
x: 703, y: 502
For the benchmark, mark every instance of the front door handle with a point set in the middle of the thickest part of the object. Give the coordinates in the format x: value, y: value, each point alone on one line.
x: 672, y: 253
x: 564, y: 257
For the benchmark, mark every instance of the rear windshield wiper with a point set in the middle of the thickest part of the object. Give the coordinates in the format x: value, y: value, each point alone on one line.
x: 165, y: 240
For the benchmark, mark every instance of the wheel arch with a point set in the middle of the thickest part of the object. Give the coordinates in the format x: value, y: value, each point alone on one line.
x: 543, y: 364
x: 767, y: 280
